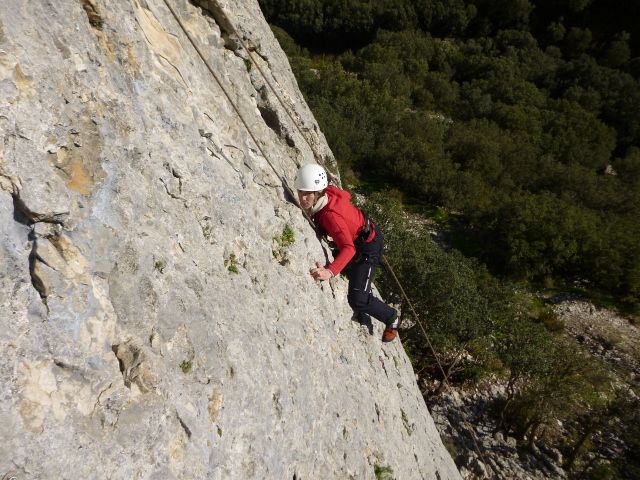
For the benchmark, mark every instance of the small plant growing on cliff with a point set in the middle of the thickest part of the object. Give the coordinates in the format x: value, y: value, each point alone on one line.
x: 248, y: 64
x: 287, y: 237
x: 450, y: 445
x: 232, y: 263
x: 405, y: 421
x: 159, y: 266
x: 186, y: 366
x: 206, y: 230
x: 383, y: 473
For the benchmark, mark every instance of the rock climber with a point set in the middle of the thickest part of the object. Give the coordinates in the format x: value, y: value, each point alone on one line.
x: 358, y: 240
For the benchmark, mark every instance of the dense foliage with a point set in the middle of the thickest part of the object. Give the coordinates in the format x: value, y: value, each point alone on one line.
x: 533, y: 139
x: 521, y: 119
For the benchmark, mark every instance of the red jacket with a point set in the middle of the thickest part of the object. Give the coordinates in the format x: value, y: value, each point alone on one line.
x: 342, y: 222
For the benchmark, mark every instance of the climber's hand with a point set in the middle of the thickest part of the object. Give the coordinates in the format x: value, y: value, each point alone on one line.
x: 321, y: 273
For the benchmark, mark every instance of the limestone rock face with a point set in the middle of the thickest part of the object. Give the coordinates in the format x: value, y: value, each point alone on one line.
x: 153, y: 324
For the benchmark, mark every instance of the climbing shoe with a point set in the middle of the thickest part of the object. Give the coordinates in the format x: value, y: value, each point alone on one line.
x: 392, y: 327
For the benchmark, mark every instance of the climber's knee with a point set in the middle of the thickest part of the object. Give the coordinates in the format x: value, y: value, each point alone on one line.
x: 358, y: 299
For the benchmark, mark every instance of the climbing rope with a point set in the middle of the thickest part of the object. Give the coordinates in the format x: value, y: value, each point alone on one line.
x: 235, y: 108
x: 433, y: 352
x: 316, y: 155
x: 295, y: 198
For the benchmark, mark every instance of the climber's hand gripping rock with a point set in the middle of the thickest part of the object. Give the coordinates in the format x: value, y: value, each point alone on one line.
x: 321, y: 273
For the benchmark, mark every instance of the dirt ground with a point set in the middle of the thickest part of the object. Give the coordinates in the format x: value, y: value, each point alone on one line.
x: 606, y: 334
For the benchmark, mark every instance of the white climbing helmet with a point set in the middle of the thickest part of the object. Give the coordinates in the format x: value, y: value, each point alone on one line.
x: 311, y: 178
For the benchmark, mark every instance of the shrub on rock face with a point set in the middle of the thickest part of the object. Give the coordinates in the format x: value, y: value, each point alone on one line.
x: 382, y: 473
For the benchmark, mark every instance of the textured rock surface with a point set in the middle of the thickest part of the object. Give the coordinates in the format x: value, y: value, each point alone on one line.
x: 128, y: 187
x: 607, y: 335
x: 456, y: 413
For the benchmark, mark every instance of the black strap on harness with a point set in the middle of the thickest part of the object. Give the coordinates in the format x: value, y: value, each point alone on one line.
x: 365, y: 232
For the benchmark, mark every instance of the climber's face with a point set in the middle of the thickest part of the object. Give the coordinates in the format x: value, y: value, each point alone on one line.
x: 306, y: 199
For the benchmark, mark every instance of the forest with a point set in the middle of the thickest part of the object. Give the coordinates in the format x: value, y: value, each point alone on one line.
x: 513, y: 127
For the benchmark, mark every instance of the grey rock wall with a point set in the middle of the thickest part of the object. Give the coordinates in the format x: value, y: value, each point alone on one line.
x: 150, y: 324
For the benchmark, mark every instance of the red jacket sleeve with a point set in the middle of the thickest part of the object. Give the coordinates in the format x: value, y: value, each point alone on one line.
x: 336, y: 228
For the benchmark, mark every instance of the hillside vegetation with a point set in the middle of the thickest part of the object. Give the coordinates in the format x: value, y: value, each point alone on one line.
x: 516, y: 127
x: 534, y: 139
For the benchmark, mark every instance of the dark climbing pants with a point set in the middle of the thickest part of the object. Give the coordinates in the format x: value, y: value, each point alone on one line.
x: 360, y: 272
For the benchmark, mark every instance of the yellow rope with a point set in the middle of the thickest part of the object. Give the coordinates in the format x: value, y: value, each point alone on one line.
x: 433, y: 352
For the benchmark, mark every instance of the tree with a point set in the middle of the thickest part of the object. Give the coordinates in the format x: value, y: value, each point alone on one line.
x: 542, y: 234
x: 570, y: 385
x: 618, y: 52
x: 575, y: 136
x: 526, y: 349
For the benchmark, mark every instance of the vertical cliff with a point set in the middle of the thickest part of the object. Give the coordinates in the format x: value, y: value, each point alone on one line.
x: 153, y: 322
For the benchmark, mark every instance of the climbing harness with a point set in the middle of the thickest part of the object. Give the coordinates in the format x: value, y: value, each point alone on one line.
x: 294, y: 196
x: 365, y: 233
